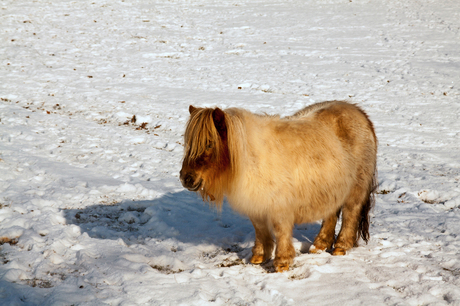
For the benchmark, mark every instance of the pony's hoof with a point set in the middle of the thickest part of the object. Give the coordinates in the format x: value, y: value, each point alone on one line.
x: 339, y: 252
x: 282, y: 264
x: 281, y: 268
x: 316, y: 250
x: 257, y: 259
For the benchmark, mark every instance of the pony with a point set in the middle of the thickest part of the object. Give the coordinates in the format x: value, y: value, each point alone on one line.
x: 281, y: 171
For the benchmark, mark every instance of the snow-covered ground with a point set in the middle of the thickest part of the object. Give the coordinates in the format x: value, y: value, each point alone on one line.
x: 94, y: 100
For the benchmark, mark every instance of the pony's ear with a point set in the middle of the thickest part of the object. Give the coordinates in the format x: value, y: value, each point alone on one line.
x: 191, y: 109
x: 218, y: 117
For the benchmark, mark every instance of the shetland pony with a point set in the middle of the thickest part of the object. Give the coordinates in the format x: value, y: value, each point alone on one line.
x: 311, y: 166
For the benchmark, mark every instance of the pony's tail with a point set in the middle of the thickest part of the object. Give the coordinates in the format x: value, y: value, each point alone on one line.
x: 368, y: 205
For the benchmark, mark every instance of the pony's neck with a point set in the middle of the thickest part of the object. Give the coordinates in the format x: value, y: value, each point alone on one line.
x: 237, y: 139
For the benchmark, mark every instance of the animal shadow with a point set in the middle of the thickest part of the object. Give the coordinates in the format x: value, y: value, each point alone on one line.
x: 181, y: 217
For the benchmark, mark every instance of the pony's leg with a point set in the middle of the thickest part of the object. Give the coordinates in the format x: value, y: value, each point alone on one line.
x: 264, y: 244
x: 326, y: 235
x: 351, y: 214
x: 285, y: 252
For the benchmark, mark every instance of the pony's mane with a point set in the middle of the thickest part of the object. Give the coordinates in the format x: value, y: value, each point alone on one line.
x: 236, y: 136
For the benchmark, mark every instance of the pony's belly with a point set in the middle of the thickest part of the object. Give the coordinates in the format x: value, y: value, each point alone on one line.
x: 301, y: 211
x: 248, y: 208
x: 305, y: 214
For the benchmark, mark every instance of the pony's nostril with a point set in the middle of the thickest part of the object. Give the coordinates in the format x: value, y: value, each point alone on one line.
x: 188, y: 180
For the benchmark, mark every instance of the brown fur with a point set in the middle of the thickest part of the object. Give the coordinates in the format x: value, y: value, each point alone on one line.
x: 311, y: 166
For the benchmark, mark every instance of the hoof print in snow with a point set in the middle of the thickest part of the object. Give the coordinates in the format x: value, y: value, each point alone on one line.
x: 430, y: 196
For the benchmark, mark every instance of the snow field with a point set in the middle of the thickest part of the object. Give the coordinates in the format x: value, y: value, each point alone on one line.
x: 94, y: 100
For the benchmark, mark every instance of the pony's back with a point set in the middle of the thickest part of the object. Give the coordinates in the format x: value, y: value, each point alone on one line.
x: 314, y: 107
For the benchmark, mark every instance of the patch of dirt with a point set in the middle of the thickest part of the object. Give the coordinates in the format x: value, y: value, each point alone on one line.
x: 166, y: 269
x: 11, y: 241
x: 40, y: 283
x: 230, y: 263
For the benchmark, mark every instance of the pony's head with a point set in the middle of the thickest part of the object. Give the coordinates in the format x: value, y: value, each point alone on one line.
x: 206, y: 158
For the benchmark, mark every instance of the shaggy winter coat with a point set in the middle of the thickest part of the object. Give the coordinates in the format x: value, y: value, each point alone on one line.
x: 284, y: 171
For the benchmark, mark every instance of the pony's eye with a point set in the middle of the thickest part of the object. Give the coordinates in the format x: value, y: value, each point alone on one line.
x: 209, y: 146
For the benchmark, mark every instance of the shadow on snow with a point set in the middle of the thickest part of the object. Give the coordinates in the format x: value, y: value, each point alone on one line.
x: 180, y: 216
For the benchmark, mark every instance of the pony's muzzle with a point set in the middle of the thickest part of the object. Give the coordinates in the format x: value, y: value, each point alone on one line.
x: 188, y: 180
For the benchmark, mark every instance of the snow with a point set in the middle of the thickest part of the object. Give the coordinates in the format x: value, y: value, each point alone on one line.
x: 91, y: 208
